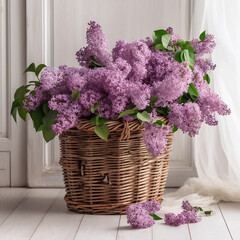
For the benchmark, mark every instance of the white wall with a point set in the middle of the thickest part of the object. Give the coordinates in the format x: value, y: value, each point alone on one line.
x: 13, y: 162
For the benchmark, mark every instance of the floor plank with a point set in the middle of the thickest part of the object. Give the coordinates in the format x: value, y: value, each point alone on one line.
x: 125, y: 231
x: 9, y: 200
x: 211, y: 227
x: 25, y: 218
x: 166, y: 232
x: 59, y: 223
x: 100, y: 227
x: 231, y: 214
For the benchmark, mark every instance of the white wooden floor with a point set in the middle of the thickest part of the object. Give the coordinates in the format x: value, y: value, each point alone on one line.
x: 41, y: 214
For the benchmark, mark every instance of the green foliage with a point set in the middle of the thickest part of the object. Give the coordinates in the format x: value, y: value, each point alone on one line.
x: 102, y: 131
x: 30, y: 68
x: 126, y: 112
x: 165, y: 40
x: 143, y: 116
x: 39, y: 68
x: 94, y: 107
x: 207, y: 78
x: 155, y: 217
x: 192, y: 90
x: 96, y: 120
x: 175, y: 128
x: 159, y: 123
x: 33, y: 68
x: 37, y: 115
x: 163, y: 110
x: 75, y: 95
x: 202, y: 35
x: 161, y: 39
x: 93, y: 63
x: 153, y: 99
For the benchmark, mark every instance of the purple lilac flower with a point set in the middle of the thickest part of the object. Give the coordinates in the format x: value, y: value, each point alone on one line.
x: 203, y: 65
x: 53, y: 81
x: 188, y: 215
x: 187, y: 117
x: 173, y: 85
x: 139, y: 94
x: 137, y: 54
x: 187, y: 206
x: 174, y: 220
x: 205, y: 46
x: 97, y: 47
x: 155, y: 138
x: 209, y: 102
x: 174, y: 36
x: 68, y: 112
x: 33, y: 100
x: 138, y: 214
x: 139, y: 217
x: 151, y: 206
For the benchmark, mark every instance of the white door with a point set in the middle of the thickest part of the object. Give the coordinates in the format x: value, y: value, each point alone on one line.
x: 13, y: 157
x: 56, y: 30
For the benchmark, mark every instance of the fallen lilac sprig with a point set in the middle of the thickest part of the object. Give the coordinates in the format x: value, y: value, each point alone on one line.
x: 142, y: 215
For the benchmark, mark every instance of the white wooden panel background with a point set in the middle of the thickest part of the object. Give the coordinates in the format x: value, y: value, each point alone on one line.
x: 56, y: 30
x: 13, y: 163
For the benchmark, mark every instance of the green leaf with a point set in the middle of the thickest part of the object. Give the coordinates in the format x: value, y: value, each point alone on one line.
x: 148, y: 109
x: 188, y: 56
x: 165, y: 40
x: 159, y: 123
x: 207, y: 78
x: 208, y: 212
x: 45, y: 108
x: 49, y: 119
x: 163, y: 110
x: 175, y: 128
x: 30, y: 68
x: 184, y: 44
x: 39, y: 69
x: 155, y: 217
x: 177, y: 56
x: 153, y: 99
x: 202, y: 35
x: 95, y: 107
x: 48, y: 134
x: 143, y: 116
x: 192, y: 68
x: 200, y: 209
x: 192, y: 90
x: 75, y: 95
x: 97, y: 121
x: 102, y: 131
x: 94, y: 64
x: 159, y: 46
x: 14, y: 109
x: 22, y: 112
x: 37, y: 83
x: 126, y: 112
x: 20, y: 92
x: 37, y: 115
x: 159, y: 33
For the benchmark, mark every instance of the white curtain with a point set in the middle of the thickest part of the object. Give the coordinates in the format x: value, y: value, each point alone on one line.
x: 217, y: 149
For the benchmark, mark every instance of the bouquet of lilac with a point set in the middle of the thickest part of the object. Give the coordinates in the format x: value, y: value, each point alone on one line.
x: 164, y: 76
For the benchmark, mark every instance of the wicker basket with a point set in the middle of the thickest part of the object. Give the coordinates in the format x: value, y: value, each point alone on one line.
x: 105, y: 177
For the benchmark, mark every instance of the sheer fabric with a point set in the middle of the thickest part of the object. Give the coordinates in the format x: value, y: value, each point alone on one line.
x: 217, y: 149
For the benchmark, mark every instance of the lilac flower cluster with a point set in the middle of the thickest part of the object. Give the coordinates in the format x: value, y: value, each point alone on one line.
x: 138, y: 214
x: 127, y: 78
x: 188, y: 215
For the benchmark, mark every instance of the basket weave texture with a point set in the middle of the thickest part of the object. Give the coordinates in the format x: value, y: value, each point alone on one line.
x: 104, y: 177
